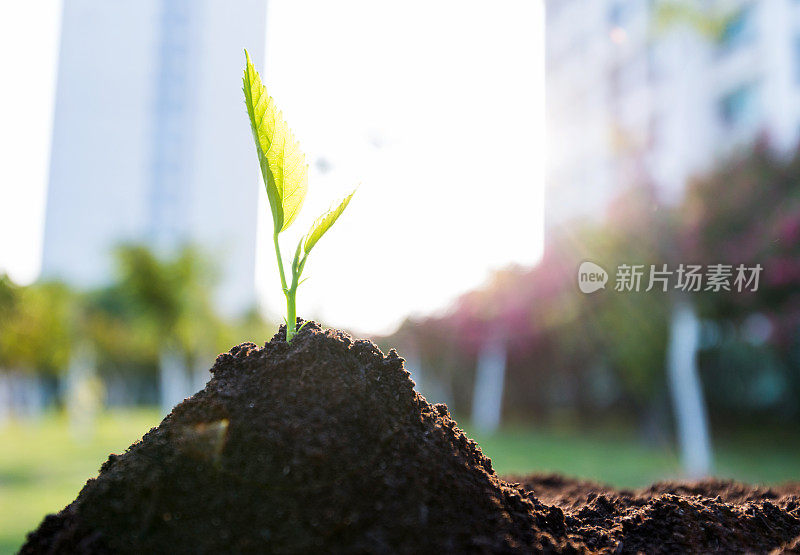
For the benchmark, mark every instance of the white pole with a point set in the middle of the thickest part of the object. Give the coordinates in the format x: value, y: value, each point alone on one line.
x: 687, y: 393
x: 5, y: 397
x: 174, y: 382
x: 84, y: 395
x: 487, y: 398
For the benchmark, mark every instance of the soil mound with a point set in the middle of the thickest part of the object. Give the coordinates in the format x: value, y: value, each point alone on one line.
x: 676, y: 517
x: 323, y: 446
x: 317, y: 446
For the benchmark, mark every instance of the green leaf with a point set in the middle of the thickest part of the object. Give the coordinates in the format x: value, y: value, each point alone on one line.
x: 324, y: 223
x: 283, y: 164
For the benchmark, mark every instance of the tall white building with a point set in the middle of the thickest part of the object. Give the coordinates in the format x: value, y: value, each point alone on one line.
x: 660, y: 90
x: 151, y: 141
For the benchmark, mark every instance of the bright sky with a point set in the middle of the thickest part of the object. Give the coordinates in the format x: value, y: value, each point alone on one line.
x: 436, y: 108
x: 29, y: 35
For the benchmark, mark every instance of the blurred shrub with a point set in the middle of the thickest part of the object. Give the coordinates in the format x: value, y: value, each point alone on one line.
x: 748, y: 212
x: 35, y: 327
x: 604, y: 354
x: 152, y: 303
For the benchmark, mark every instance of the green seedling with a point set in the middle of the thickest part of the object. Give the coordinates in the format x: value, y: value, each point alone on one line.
x: 285, y: 173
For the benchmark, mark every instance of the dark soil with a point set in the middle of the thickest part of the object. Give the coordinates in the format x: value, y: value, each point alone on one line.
x: 708, y: 515
x: 323, y: 446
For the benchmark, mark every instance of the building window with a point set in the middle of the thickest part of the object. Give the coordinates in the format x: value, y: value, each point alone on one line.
x: 797, y: 58
x: 739, y: 106
x: 619, y: 13
x: 616, y: 15
x: 738, y: 29
x: 652, y: 65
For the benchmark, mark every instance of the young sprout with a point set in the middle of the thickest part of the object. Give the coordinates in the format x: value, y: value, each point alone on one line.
x: 285, y: 173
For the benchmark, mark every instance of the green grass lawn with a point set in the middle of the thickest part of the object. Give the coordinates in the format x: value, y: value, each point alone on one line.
x: 618, y: 458
x: 43, y: 465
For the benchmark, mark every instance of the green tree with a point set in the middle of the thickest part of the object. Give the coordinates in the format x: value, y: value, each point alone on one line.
x: 37, y: 327
x: 157, y: 313
x: 747, y: 212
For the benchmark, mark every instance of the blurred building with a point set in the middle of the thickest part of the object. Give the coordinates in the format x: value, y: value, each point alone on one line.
x: 659, y: 90
x: 151, y: 141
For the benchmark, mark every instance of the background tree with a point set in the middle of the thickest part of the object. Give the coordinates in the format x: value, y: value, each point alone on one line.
x: 158, y: 313
x: 36, y: 327
x: 748, y: 212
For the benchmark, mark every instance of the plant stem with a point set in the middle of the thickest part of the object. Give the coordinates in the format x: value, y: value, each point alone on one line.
x: 291, y: 294
x: 291, y: 316
x: 291, y: 313
x: 280, y: 260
